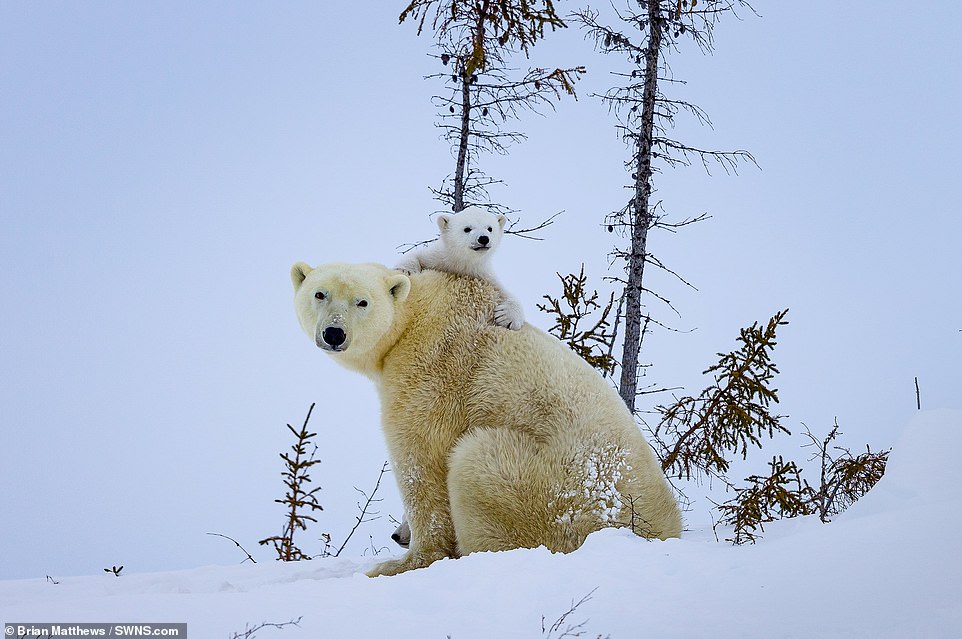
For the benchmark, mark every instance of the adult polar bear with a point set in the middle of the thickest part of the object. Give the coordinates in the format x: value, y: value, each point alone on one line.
x: 499, y: 439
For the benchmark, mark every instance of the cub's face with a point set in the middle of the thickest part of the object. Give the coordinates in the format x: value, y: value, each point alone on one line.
x: 472, y: 230
x: 347, y: 308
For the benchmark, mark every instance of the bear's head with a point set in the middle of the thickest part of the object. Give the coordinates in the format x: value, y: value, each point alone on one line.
x: 348, y: 309
x: 472, y: 234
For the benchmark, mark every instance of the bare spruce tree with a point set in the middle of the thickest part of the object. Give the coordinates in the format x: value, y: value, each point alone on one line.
x: 650, y: 30
x: 474, y: 40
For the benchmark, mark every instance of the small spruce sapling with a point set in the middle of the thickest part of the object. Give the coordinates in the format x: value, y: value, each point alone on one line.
x: 843, y: 479
x: 696, y: 435
x: 299, y: 500
x: 577, y: 324
x: 782, y: 493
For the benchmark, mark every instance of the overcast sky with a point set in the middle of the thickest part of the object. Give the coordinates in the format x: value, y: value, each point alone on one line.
x: 162, y: 165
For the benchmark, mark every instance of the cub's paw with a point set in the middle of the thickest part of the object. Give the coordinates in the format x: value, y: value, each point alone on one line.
x: 509, y: 315
x: 409, y: 266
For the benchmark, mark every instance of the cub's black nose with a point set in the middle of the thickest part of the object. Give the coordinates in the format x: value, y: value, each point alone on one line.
x: 396, y: 537
x: 334, y: 336
x: 483, y: 240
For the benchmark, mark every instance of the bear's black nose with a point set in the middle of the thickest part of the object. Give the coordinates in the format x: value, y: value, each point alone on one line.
x: 396, y: 537
x: 483, y: 240
x: 334, y: 336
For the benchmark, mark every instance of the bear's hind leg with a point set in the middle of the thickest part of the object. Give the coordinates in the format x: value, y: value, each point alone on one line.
x: 500, y: 483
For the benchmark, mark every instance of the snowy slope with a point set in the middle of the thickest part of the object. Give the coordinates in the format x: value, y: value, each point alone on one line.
x: 889, y: 567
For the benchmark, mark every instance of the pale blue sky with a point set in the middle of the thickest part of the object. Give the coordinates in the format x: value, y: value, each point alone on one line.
x: 163, y: 164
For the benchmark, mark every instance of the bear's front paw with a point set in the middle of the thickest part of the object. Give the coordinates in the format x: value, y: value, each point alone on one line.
x: 509, y: 315
x: 387, y: 568
x: 409, y: 561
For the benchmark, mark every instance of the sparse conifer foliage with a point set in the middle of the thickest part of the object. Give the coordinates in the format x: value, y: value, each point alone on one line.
x: 782, y: 493
x: 844, y: 477
x: 697, y: 435
x: 506, y: 22
x: 300, y: 501
x: 475, y: 39
x: 645, y: 33
x: 581, y: 322
x: 785, y: 493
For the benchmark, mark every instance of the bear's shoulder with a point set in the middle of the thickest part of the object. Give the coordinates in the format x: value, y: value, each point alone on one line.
x: 450, y: 296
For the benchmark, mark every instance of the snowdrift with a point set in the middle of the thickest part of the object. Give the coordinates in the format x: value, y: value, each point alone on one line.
x: 891, y: 566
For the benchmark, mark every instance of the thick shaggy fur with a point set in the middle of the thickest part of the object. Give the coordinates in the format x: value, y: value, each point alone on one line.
x: 499, y: 439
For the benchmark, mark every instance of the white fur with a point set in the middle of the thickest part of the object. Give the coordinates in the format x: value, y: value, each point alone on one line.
x: 467, y: 240
x: 498, y: 439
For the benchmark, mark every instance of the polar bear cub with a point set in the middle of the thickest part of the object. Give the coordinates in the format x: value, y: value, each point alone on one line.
x: 468, y: 238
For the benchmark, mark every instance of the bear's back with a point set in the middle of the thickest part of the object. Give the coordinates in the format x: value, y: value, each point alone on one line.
x: 451, y: 344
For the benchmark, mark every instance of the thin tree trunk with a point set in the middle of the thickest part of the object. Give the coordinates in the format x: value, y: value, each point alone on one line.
x: 461, y: 168
x: 640, y: 214
x: 467, y: 71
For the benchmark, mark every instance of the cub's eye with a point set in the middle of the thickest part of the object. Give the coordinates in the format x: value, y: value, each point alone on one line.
x: 489, y: 230
x: 319, y: 296
x: 362, y: 303
x: 467, y: 229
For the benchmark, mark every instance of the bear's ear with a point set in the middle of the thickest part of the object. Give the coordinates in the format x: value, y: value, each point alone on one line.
x: 399, y: 285
x: 443, y: 222
x: 299, y: 273
x: 502, y: 220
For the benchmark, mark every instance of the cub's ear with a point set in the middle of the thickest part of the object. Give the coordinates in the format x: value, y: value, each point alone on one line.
x: 399, y: 285
x: 502, y: 220
x: 443, y: 222
x: 298, y: 273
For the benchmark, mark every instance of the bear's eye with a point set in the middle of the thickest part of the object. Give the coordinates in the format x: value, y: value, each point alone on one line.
x: 467, y: 229
x: 489, y: 230
x: 319, y: 296
x: 362, y: 303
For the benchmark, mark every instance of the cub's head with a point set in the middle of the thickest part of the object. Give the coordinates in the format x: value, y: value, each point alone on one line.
x: 472, y: 231
x: 347, y: 308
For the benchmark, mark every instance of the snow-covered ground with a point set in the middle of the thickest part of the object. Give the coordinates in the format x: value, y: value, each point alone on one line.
x: 891, y: 566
